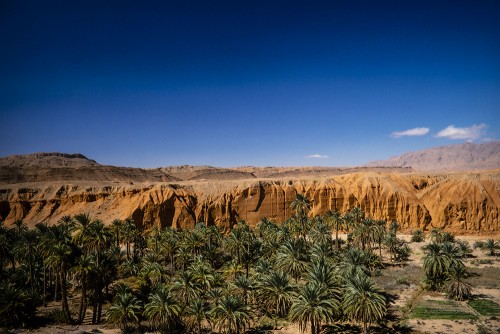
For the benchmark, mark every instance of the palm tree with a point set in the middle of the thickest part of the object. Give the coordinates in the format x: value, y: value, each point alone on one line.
x: 61, y: 253
x: 162, y: 310
x: 393, y: 228
x: 459, y: 289
x: 16, y: 306
x: 322, y: 251
x: 301, y: 205
x: 243, y: 285
x: 418, y: 236
x: 203, y: 273
x: 362, y: 234
x: 379, y: 233
x: 436, y: 235
x: 324, y: 275
x: 231, y: 314
x: 465, y: 248
x: 321, y: 232
x: 129, y: 234
x: 490, y: 246
x: 363, y: 302
x: 196, y: 313
x: 392, y: 242
x: 25, y: 249
x: 353, y: 263
x: 125, y: 308
x: 338, y: 221
x: 276, y: 293
x: 292, y: 258
x: 83, y: 269
x: 82, y: 223
x: 152, y: 273
x: 169, y: 246
x: 185, y: 287
x: 117, y: 226
x: 313, y: 306
x: 436, y: 265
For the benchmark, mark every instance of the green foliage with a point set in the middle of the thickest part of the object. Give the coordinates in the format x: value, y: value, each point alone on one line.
x: 17, y: 307
x: 403, y: 281
x: 313, y: 306
x: 490, y: 246
x: 231, y: 314
x: 275, y: 293
x: 485, y: 307
x: 448, y: 310
x: 458, y: 288
x: 363, y: 302
x: 162, y: 309
x: 418, y: 236
x: 190, y: 279
x: 125, y: 309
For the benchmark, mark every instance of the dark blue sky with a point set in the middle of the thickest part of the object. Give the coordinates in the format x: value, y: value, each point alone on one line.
x: 247, y: 82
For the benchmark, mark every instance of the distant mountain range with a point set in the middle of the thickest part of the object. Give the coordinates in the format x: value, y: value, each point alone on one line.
x: 460, y: 157
x: 44, y: 187
x: 49, y: 167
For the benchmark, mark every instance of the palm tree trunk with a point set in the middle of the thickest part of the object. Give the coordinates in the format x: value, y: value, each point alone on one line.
x: 30, y: 264
x: 99, y: 307
x: 337, y: 236
x: 44, y: 285
x: 55, y: 287
x: 94, y: 311
x: 64, y: 297
x: 81, y: 312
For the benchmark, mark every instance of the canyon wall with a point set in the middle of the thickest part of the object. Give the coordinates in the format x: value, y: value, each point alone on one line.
x: 460, y: 202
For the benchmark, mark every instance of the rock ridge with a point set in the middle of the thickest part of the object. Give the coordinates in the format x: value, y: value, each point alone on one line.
x: 458, y: 202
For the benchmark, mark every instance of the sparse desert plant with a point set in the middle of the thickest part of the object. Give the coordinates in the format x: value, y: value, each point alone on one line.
x: 478, y: 244
x: 447, y: 237
x: 464, y: 248
x: 402, y: 252
x: 490, y: 246
x: 418, y: 236
x: 403, y: 281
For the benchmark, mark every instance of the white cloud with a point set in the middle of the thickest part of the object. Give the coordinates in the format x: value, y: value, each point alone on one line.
x: 316, y: 156
x: 471, y: 133
x: 410, y: 132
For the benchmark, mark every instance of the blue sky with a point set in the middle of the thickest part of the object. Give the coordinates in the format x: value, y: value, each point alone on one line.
x: 230, y: 83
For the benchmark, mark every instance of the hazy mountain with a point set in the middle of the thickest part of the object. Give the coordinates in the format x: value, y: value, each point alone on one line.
x: 460, y: 157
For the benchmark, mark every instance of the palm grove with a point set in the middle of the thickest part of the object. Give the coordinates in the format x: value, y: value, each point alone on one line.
x: 203, y: 280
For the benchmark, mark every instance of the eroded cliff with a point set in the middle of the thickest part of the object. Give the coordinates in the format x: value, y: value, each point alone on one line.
x: 458, y: 202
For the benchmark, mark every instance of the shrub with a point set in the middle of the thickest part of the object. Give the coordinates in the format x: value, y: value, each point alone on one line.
x: 418, y: 236
x: 17, y: 307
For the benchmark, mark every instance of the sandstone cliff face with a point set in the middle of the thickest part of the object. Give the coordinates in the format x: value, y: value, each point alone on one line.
x: 462, y: 203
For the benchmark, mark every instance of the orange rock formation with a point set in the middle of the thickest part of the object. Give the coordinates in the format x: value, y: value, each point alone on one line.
x: 458, y: 202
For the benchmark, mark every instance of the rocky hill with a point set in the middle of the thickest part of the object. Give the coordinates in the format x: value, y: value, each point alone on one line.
x: 465, y: 202
x: 460, y: 157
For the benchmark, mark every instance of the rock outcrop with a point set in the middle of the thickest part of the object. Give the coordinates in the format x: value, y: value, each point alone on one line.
x: 458, y: 202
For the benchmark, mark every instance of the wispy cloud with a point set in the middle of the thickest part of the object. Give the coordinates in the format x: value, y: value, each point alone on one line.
x: 473, y: 132
x: 410, y: 132
x: 316, y: 156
